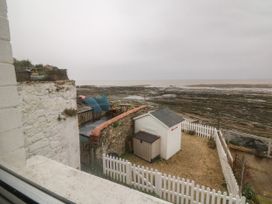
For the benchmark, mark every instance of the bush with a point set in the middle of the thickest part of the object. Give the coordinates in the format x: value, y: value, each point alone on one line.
x: 250, y: 194
x: 211, y: 143
x: 70, y: 112
x: 260, y: 153
x: 116, y: 124
x: 191, y: 132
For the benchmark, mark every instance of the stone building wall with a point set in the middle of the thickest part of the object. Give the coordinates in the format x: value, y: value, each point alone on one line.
x: 116, y: 137
x: 11, y: 135
x: 47, y: 130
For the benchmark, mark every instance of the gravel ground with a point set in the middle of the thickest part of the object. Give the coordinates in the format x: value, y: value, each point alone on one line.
x: 196, y: 161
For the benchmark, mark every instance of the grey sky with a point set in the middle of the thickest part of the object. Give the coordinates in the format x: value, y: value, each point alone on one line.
x: 146, y: 39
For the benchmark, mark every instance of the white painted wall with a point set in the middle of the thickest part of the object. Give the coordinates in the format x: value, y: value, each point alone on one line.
x: 36, y: 110
x: 11, y: 135
x: 44, y: 133
x: 174, y: 140
x: 170, y: 140
x: 151, y: 125
x: 68, y: 182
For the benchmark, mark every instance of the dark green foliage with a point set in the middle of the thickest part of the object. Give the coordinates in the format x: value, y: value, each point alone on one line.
x: 26, y: 71
x: 250, y: 194
x: 70, y: 112
x: 191, y: 132
x: 211, y: 143
x: 260, y: 153
x: 117, y: 124
x: 22, y: 65
x: 39, y: 66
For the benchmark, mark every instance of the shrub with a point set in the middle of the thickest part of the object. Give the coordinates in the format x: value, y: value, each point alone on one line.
x: 260, y: 153
x: 116, y: 124
x: 211, y: 143
x: 70, y: 112
x: 250, y: 194
x: 191, y: 132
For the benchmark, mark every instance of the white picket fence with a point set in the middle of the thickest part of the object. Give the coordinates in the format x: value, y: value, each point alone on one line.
x: 175, y: 190
x: 200, y: 130
x: 226, y: 148
x: 224, y: 154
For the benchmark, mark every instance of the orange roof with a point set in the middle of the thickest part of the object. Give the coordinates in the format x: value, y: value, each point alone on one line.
x: 97, y: 131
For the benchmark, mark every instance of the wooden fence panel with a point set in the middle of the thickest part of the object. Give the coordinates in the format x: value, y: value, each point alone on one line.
x: 177, y: 190
x: 224, y: 154
x: 230, y: 179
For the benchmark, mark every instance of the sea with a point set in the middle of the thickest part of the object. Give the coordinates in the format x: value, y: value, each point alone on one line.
x: 167, y: 83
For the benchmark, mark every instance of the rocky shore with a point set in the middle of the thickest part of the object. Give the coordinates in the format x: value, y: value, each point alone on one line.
x: 246, y: 108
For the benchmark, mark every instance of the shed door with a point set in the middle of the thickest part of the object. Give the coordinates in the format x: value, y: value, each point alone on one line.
x: 142, y: 149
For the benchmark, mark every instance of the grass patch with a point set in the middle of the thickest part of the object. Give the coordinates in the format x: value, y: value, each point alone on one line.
x: 117, y: 124
x: 264, y: 200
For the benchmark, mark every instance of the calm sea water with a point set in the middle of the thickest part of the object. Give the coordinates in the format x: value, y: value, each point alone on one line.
x: 166, y: 83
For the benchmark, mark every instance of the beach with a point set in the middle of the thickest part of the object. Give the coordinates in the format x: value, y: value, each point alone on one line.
x: 245, y: 107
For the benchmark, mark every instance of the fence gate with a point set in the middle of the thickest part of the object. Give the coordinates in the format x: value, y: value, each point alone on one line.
x: 174, y: 189
x: 143, y: 179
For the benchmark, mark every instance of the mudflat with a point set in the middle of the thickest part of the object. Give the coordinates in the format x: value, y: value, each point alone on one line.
x: 246, y: 108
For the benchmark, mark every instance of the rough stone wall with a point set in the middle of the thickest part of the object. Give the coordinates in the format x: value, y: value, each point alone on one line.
x: 11, y: 135
x: 47, y: 130
x: 116, y: 137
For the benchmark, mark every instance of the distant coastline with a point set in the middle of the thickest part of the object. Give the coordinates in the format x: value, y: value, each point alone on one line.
x: 181, y: 83
x: 243, y: 107
x: 264, y: 86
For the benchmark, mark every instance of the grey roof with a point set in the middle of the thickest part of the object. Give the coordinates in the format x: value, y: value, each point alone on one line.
x: 167, y: 116
x: 147, y: 137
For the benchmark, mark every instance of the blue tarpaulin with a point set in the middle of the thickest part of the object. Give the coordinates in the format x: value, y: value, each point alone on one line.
x: 103, y: 102
x: 90, y: 101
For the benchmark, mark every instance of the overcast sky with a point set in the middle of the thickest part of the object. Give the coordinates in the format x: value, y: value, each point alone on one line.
x: 146, y: 39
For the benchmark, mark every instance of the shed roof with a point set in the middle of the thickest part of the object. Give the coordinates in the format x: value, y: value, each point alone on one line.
x: 167, y: 116
x: 145, y: 136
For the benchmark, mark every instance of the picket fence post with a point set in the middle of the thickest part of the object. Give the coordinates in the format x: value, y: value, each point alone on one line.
x: 243, y: 200
x: 192, y: 191
x: 128, y: 173
x: 269, y: 149
x: 158, y: 183
x: 104, y: 163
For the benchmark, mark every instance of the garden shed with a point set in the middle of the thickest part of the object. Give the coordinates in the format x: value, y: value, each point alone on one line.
x: 164, y: 123
x: 146, y: 145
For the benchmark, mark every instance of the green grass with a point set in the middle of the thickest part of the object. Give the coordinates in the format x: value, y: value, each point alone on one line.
x: 264, y: 200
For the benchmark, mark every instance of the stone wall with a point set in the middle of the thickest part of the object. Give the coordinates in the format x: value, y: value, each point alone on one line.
x: 117, y: 137
x: 11, y: 135
x: 47, y: 130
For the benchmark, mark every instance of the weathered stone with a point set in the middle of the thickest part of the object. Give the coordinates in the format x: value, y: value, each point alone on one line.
x: 45, y: 134
x: 115, y: 138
